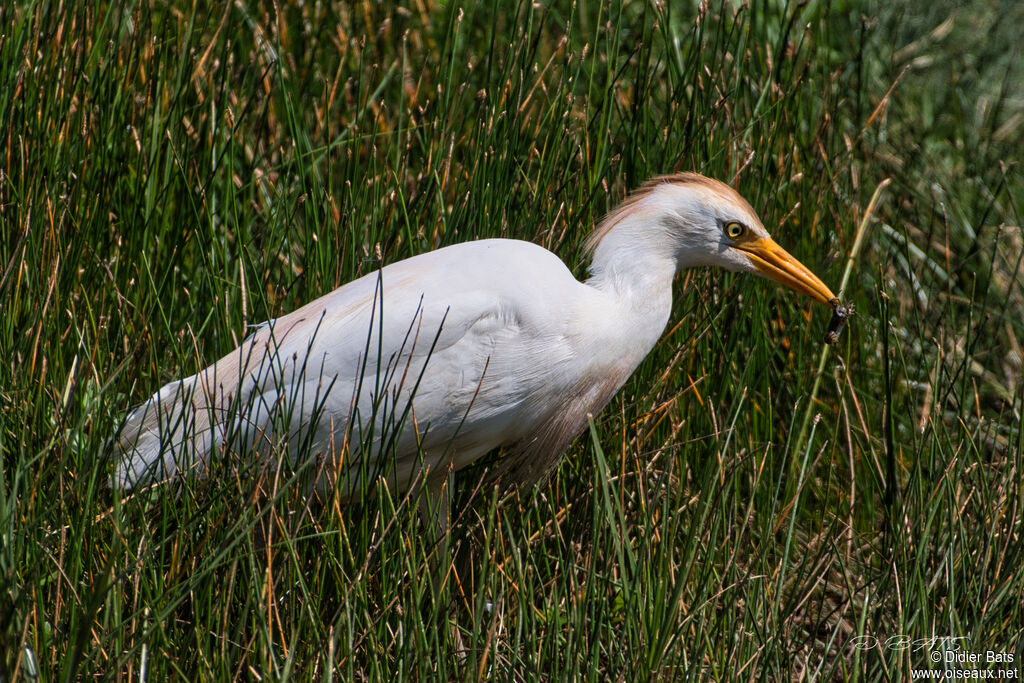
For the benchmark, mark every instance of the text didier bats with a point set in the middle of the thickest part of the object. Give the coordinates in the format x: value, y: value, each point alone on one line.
x: 989, y: 657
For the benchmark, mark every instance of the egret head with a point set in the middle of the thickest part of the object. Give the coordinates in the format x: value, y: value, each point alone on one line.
x: 707, y: 223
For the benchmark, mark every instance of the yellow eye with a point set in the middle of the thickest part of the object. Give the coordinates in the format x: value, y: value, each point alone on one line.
x: 735, y: 229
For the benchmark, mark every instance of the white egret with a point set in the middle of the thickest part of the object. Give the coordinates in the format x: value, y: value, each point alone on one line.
x: 432, y: 362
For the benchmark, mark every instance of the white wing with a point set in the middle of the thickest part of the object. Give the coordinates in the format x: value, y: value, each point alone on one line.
x: 446, y: 355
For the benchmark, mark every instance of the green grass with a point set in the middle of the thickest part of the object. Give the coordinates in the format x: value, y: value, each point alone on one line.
x: 170, y: 174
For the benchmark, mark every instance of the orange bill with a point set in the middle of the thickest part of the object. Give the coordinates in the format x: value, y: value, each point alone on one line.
x: 775, y: 263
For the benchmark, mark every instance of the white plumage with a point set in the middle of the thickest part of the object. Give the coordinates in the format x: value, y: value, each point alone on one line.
x: 443, y: 357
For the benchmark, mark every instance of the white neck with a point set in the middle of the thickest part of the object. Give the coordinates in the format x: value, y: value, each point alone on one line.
x: 633, y: 267
x: 632, y: 259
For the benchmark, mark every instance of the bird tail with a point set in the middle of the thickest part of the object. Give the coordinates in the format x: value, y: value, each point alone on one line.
x: 174, y: 431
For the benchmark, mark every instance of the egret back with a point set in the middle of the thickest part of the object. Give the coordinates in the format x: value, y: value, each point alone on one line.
x: 432, y: 361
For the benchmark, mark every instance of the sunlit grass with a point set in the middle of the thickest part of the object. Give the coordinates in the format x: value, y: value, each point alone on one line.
x: 174, y: 174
